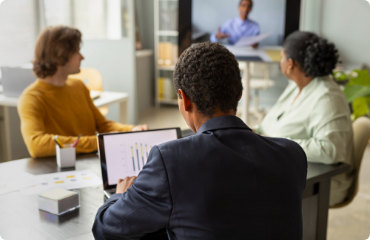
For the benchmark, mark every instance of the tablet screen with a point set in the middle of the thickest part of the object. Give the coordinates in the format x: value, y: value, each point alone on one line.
x: 127, y: 153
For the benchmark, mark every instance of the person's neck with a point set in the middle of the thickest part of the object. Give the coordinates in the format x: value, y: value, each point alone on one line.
x: 58, y: 79
x: 200, y: 119
x: 302, y: 81
x: 242, y: 18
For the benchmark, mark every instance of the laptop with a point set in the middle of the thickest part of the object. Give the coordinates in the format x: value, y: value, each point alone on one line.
x: 15, y: 79
x: 125, y: 154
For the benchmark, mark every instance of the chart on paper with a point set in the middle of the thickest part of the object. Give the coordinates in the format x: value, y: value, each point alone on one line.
x: 66, y: 180
x: 127, y: 154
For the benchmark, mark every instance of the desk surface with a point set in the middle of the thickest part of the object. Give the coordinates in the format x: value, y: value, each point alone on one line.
x: 21, y: 219
x: 261, y: 54
x: 106, y: 98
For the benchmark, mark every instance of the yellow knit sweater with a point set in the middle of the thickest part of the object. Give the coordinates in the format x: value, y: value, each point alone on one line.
x: 46, y: 110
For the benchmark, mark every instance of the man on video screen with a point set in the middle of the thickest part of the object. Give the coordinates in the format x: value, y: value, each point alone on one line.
x: 238, y: 27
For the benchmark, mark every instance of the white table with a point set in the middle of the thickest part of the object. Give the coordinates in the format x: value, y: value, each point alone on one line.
x: 246, y: 55
x: 109, y: 98
x: 10, y: 137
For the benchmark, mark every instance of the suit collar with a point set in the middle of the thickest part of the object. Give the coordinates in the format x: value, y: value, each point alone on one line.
x: 222, y: 123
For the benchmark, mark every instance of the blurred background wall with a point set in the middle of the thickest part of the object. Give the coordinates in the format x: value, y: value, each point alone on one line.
x: 345, y: 23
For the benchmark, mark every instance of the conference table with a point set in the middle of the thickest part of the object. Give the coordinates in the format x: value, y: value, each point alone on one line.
x: 20, y: 217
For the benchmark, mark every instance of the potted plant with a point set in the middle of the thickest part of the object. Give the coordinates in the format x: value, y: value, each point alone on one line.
x: 357, y: 90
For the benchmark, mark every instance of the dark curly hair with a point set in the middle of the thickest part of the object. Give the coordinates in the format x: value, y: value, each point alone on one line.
x: 54, y: 48
x: 240, y: 2
x: 316, y: 56
x: 210, y: 77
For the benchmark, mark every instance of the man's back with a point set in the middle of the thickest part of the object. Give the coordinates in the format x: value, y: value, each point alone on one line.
x: 225, y: 182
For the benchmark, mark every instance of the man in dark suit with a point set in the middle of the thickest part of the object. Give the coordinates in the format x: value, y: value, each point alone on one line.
x: 224, y: 182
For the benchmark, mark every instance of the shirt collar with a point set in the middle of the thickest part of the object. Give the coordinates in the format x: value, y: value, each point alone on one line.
x: 306, y: 91
x: 222, y: 123
x: 48, y: 86
x: 239, y: 21
x: 311, y: 86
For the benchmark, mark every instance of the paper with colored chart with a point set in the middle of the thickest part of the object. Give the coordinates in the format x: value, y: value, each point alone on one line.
x: 67, y: 180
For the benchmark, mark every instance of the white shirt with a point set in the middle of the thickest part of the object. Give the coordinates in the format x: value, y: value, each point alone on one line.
x: 319, y: 121
x: 237, y: 28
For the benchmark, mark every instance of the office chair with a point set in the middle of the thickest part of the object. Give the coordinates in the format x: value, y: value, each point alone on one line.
x: 93, y: 81
x: 361, y: 135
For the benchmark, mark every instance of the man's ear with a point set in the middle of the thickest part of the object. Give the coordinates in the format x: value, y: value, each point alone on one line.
x: 186, y: 101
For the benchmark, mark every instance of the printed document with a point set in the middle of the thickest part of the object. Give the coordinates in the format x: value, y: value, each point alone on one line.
x: 67, y: 180
x: 249, y: 41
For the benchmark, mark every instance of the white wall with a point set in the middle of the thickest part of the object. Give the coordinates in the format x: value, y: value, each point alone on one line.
x: 18, y: 31
x: 346, y: 23
x: 208, y: 15
x: 115, y: 60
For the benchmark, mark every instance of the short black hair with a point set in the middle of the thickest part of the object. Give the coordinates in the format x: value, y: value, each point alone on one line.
x: 240, y: 3
x: 210, y: 77
x: 315, y: 55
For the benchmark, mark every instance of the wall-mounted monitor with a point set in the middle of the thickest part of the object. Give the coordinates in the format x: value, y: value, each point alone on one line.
x: 277, y: 17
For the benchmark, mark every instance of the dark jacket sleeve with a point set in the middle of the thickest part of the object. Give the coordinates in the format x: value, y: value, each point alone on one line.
x: 144, y: 208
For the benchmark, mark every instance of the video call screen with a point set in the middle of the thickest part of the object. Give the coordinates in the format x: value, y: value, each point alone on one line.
x: 208, y: 15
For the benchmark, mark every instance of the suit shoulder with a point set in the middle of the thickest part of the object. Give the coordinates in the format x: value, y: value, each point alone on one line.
x: 289, y: 145
x: 178, y: 142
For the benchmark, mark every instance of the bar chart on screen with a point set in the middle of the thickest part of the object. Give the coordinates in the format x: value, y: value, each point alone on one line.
x: 139, y: 155
x: 126, y: 158
x: 127, y: 154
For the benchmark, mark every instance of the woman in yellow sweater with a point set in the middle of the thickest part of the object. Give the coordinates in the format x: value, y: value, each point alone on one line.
x: 58, y: 105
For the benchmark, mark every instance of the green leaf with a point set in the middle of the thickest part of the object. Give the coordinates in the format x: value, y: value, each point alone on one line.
x: 359, y: 77
x: 356, y: 91
x: 360, y: 107
x: 340, y: 76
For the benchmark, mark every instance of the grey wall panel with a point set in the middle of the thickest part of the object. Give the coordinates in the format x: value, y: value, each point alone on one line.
x: 115, y: 60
